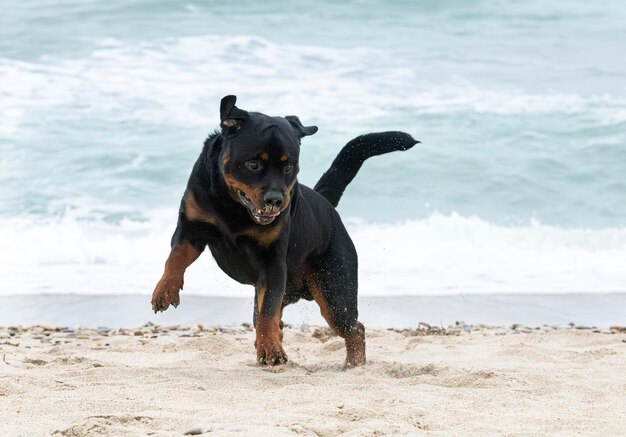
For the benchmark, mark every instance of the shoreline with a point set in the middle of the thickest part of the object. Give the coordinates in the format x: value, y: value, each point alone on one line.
x: 589, y: 309
x: 168, y: 381
x: 46, y: 333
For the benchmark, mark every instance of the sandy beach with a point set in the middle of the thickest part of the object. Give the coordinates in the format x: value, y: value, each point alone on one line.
x: 170, y: 381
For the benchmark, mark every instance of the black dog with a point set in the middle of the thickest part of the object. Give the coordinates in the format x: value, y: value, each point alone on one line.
x: 264, y: 229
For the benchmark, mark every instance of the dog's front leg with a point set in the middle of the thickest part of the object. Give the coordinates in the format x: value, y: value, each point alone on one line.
x: 269, y: 298
x: 167, y: 291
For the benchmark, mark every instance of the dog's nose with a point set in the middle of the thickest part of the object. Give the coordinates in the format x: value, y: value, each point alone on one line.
x: 273, y: 198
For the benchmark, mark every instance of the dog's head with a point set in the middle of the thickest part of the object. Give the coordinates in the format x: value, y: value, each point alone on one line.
x: 259, y: 158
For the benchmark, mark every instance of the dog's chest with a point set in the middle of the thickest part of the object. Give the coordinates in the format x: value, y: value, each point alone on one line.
x: 245, y: 253
x: 238, y: 260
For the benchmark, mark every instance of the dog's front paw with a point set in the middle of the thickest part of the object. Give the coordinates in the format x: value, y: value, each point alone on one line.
x: 270, y: 353
x: 166, y: 293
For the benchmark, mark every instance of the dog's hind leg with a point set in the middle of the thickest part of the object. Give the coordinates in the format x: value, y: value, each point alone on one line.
x: 333, y: 285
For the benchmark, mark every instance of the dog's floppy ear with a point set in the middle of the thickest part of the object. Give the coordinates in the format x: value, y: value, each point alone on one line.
x: 231, y: 116
x: 302, y: 131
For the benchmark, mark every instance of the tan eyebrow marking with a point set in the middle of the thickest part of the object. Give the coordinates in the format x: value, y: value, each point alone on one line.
x: 265, y: 156
x: 284, y: 157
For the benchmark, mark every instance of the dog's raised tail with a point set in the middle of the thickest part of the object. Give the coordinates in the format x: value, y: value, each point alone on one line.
x: 347, y: 164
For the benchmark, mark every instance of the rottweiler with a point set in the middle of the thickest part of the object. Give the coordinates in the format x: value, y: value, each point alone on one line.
x: 243, y: 200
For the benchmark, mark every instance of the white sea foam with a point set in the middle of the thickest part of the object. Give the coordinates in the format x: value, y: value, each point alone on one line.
x: 454, y: 254
x: 438, y: 255
x: 178, y: 81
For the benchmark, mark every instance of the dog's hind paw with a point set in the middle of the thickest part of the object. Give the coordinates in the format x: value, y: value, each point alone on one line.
x: 166, y: 293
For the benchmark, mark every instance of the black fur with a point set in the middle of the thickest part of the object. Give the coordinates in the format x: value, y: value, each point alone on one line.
x: 299, y: 253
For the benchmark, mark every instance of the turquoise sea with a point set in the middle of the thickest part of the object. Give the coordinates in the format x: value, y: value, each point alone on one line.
x: 519, y: 185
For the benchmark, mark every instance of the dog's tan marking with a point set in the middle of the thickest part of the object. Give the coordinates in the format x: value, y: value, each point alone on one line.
x: 355, y: 348
x: 284, y: 157
x: 180, y: 258
x: 167, y: 290
x: 225, y: 160
x: 254, y: 193
x: 355, y: 344
x: 194, y: 212
x: 288, y: 192
x: 260, y: 298
x: 316, y: 291
x: 265, y: 236
x: 265, y: 156
x: 268, y: 344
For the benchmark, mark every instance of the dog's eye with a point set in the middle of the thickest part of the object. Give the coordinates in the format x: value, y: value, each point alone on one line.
x: 253, y: 165
x: 288, y: 169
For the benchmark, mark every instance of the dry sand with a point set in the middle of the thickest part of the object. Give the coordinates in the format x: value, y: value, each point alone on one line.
x: 464, y: 380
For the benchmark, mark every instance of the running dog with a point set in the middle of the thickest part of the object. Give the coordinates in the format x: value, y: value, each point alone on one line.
x: 244, y: 202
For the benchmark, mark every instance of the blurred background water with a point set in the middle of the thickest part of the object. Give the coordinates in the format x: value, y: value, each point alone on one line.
x: 518, y: 185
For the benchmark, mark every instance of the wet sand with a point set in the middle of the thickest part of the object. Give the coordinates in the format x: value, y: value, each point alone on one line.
x: 590, y: 309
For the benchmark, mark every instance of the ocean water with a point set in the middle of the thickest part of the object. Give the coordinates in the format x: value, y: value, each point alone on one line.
x: 518, y: 185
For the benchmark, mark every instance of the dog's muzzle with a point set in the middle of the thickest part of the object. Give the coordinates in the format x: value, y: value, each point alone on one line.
x: 263, y: 216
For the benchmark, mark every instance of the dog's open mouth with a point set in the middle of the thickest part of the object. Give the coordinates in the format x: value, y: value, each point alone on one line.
x: 260, y: 216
